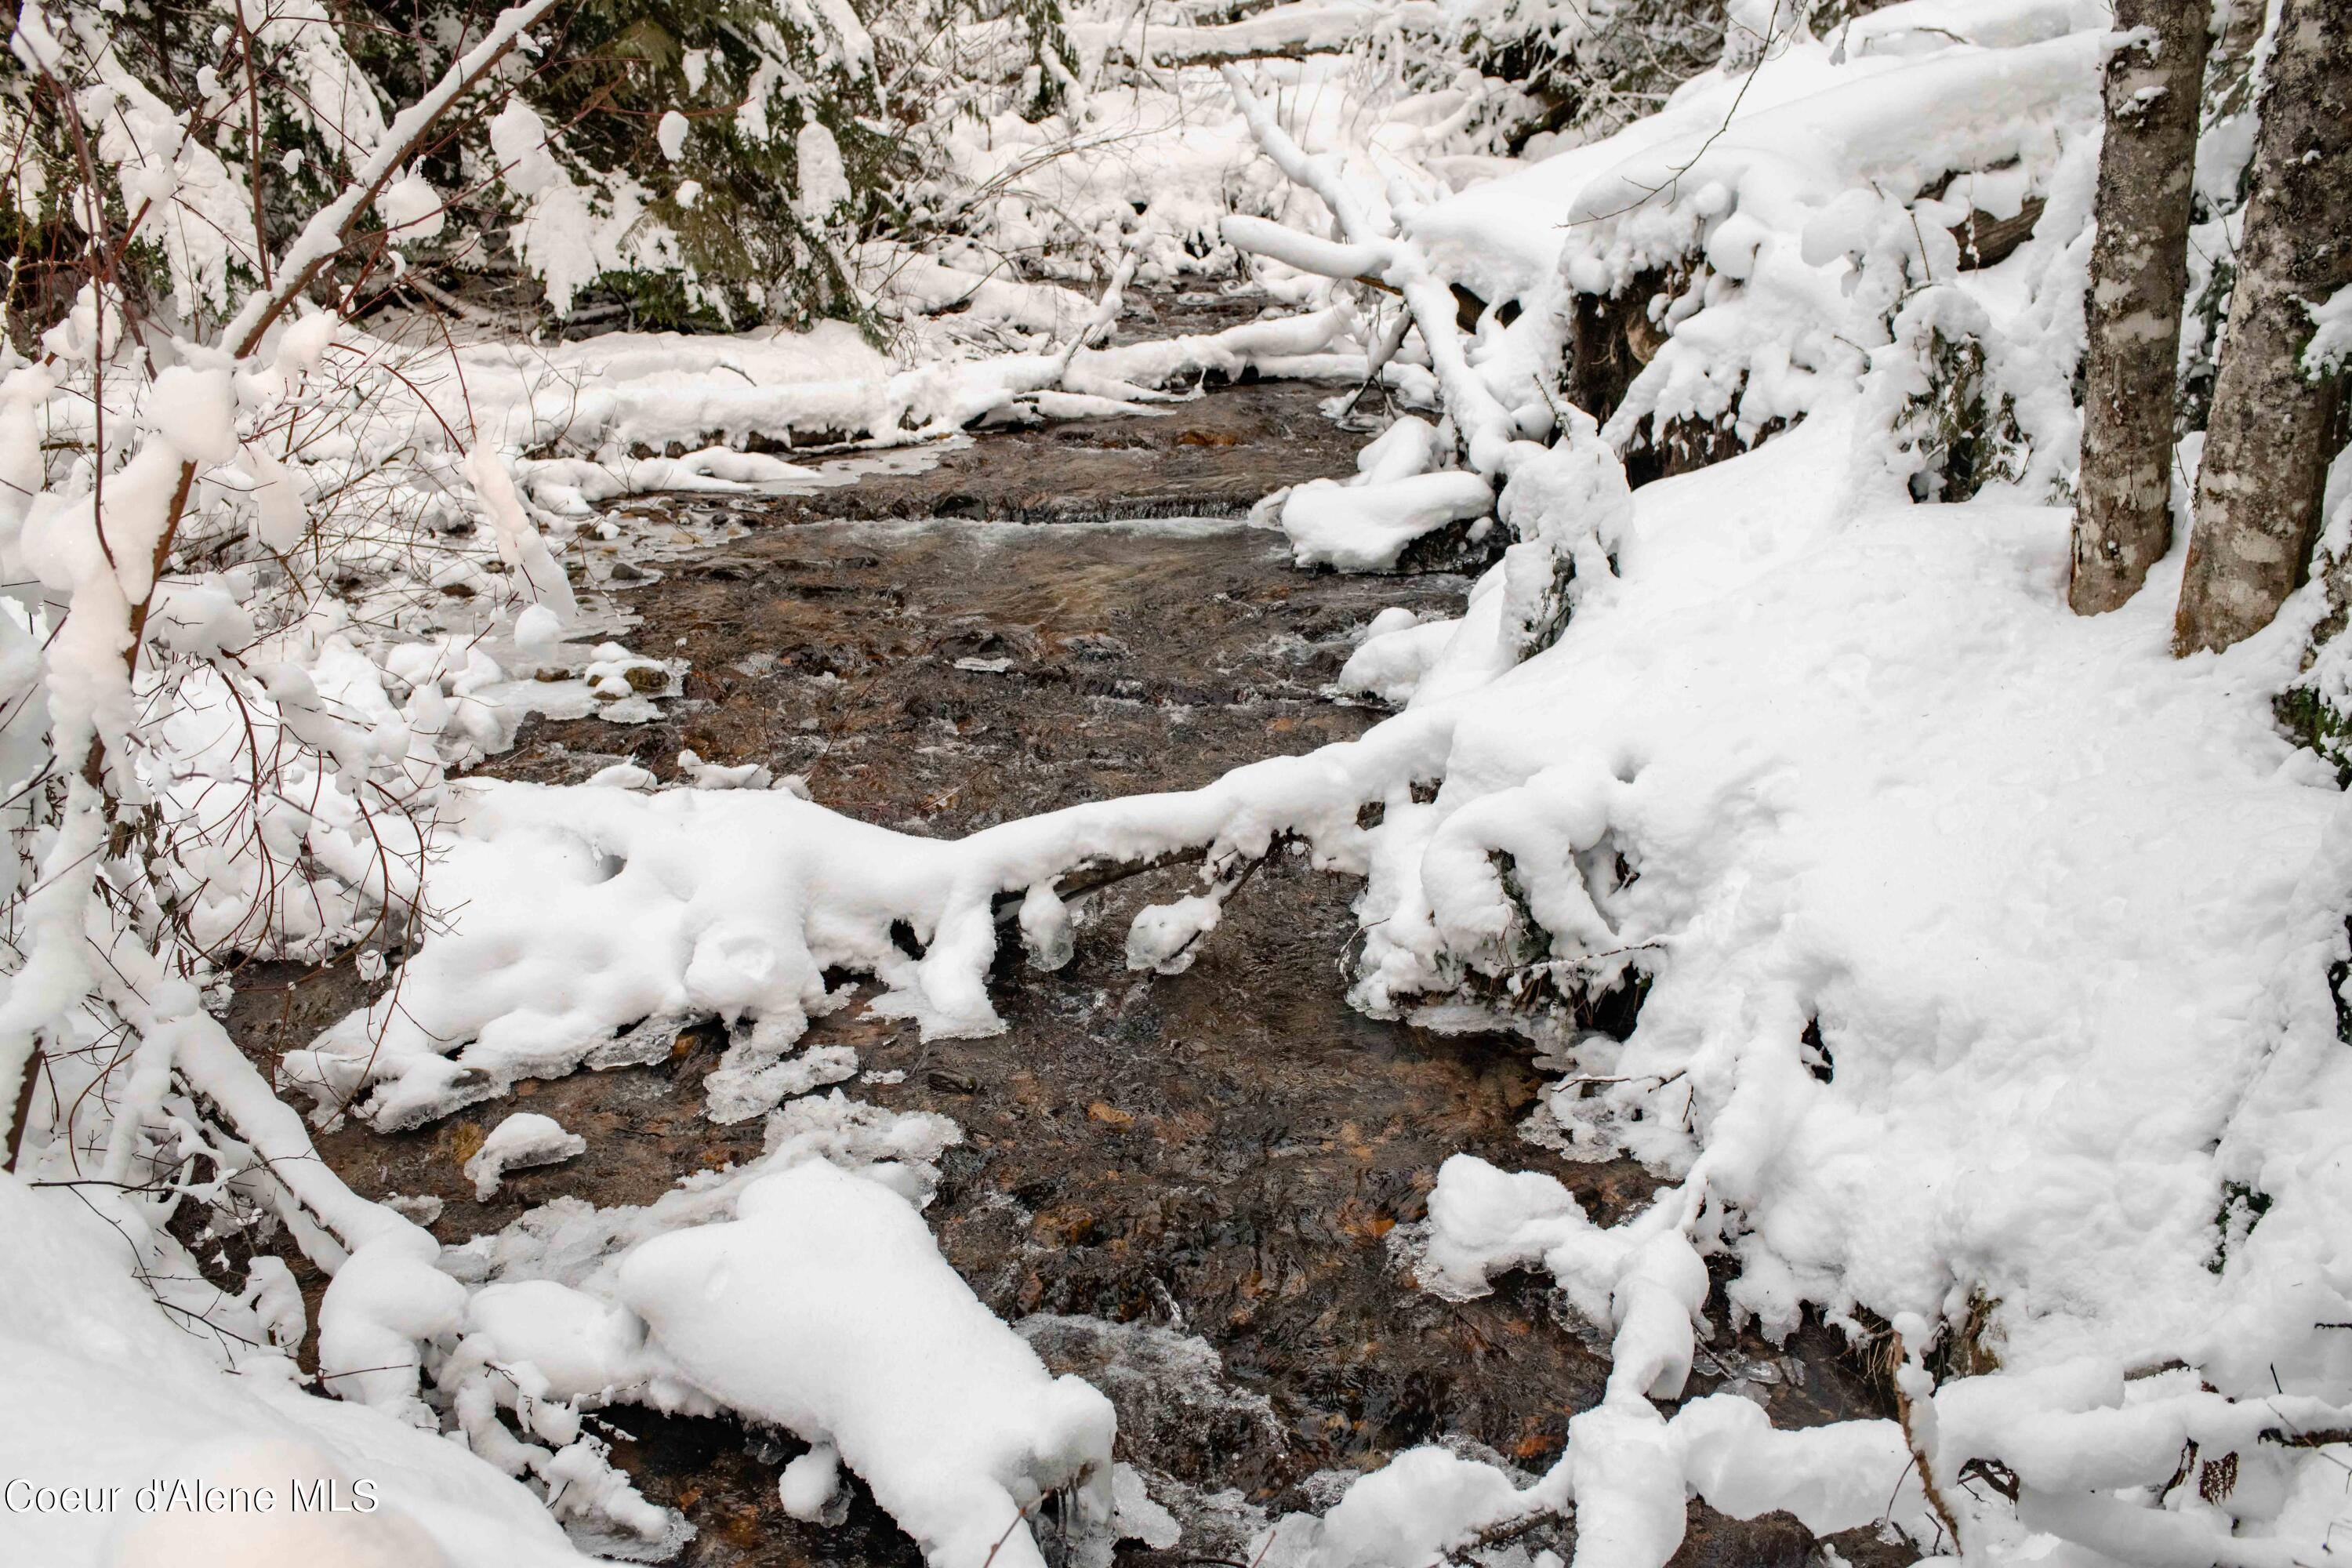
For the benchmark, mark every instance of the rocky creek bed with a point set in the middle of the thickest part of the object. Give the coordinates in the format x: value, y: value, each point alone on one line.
x: 1182, y: 1188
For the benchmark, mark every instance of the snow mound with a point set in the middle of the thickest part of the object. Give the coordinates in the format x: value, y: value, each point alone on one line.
x: 129, y: 1400
x: 1365, y: 527
x: 2028, y: 881
x: 825, y: 1308
x: 522, y: 1139
x: 1408, y: 1513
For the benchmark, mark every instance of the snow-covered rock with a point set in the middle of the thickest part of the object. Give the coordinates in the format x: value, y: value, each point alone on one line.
x: 522, y: 1139
x: 825, y: 1308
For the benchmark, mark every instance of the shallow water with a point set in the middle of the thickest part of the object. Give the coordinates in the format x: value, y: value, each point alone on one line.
x: 1184, y: 1188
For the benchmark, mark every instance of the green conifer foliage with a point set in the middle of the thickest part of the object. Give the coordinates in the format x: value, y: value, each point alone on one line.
x: 694, y: 164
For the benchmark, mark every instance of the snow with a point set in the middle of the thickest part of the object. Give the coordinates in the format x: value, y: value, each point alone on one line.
x: 129, y: 1400
x: 337, y: 97
x: 197, y: 208
x: 603, y: 396
x: 1314, y: 28
x: 810, y: 1482
x: 1910, y: 830
x: 520, y: 544
x: 411, y: 208
x: 945, y: 1412
x: 1164, y: 937
x: 2331, y: 339
x: 1409, y: 1511
x: 321, y: 236
x: 522, y: 1139
x: 1986, y: 949
x: 1364, y: 527
x: 519, y: 139
x: 548, y: 1333
x: 824, y: 184
x: 193, y: 410
x: 2060, y: 758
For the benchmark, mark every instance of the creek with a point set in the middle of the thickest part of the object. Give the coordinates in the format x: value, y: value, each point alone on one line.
x: 1184, y: 1188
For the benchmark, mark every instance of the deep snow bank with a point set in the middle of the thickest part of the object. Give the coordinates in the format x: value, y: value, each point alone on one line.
x: 1989, y: 954
x: 107, y: 1392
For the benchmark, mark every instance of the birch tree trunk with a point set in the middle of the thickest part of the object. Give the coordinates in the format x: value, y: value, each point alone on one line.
x: 2274, y: 426
x: 2139, y: 274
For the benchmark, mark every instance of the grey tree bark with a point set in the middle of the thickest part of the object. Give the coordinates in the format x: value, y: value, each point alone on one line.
x: 2139, y: 274
x: 2274, y: 426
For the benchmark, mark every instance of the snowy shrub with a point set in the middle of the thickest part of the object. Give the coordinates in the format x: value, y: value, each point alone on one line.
x: 209, y: 757
x: 1050, y: 75
x: 1730, y: 264
x: 705, y: 163
x: 1957, y: 431
x: 709, y: 161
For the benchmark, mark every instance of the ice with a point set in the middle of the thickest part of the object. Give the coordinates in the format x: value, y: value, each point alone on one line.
x: 1135, y: 1517
x: 1046, y: 929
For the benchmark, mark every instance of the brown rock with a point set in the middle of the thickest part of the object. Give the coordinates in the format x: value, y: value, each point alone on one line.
x: 1713, y: 1539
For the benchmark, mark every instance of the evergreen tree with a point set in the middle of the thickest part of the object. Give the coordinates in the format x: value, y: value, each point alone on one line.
x: 688, y: 162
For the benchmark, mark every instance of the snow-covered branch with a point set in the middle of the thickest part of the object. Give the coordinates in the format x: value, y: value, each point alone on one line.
x: 1487, y: 428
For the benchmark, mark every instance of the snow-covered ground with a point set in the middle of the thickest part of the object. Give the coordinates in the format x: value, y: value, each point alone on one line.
x: 1991, y: 952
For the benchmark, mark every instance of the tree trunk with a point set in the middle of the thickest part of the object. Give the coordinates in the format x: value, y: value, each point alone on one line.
x: 2139, y: 273
x: 2274, y: 424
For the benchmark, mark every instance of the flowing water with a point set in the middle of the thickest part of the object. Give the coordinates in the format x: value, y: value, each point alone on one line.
x: 1183, y: 1188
